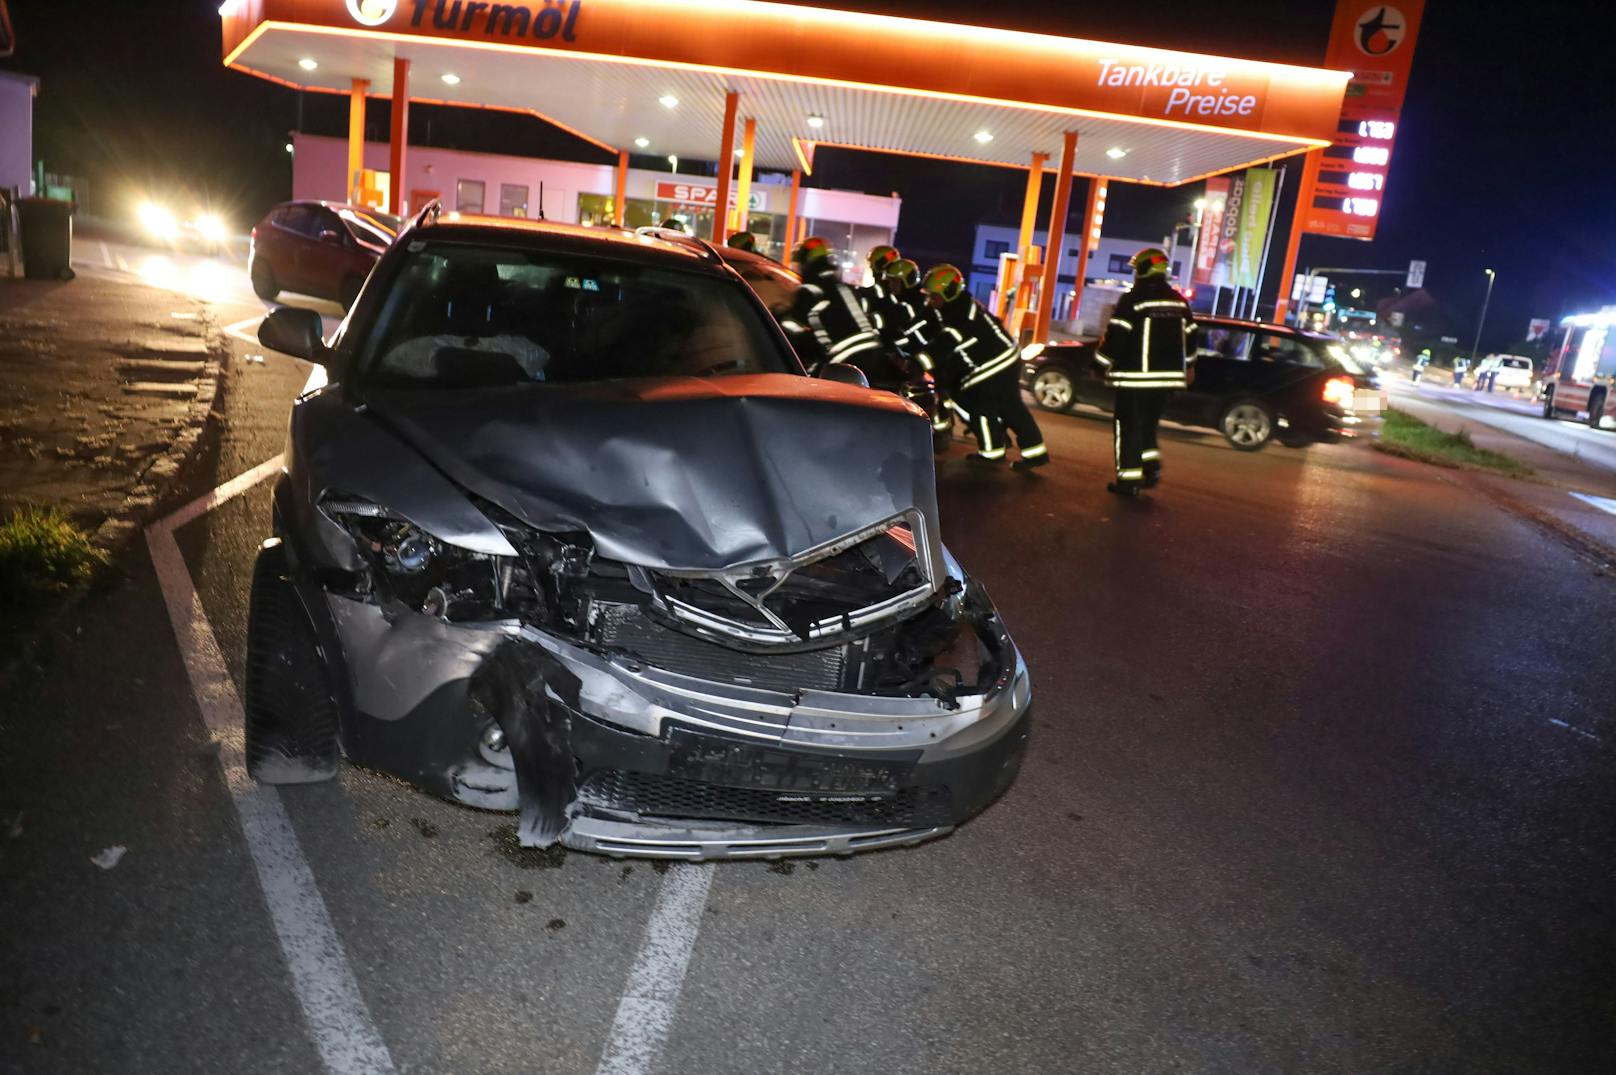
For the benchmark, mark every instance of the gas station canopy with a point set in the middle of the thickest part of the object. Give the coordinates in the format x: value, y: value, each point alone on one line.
x: 652, y: 76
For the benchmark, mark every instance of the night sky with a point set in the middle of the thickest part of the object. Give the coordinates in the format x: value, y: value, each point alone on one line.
x: 1501, y: 159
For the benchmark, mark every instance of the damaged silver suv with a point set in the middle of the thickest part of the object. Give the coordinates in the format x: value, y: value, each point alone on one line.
x: 570, y: 533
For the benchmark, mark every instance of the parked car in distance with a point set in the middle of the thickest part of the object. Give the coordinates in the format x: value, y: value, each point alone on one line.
x: 1504, y: 371
x: 570, y: 533
x: 1254, y: 382
x: 322, y: 249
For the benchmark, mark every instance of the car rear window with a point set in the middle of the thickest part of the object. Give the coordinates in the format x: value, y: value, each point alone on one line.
x: 462, y: 316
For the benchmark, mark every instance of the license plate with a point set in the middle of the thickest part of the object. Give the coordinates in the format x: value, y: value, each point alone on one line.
x: 1366, y: 401
x: 813, y: 777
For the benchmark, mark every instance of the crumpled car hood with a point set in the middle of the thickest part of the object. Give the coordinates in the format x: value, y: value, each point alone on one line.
x: 683, y: 474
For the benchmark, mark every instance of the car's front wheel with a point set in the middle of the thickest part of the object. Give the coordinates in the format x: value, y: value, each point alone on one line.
x: 1052, y: 389
x: 290, y: 714
x: 1247, y: 424
x: 263, y: 280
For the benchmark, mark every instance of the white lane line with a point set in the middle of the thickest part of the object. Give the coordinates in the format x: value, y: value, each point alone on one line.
x: 235, y: 329
x: 106, y: 254
x: 122, y: 264
x: 1603, y: 503
x: 214, y: 497
x: 1574, y: 728
x: 333, y: 1009
x: 645, y: 1013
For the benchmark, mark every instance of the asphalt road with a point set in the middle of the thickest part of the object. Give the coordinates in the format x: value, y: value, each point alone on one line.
x: 1521, y: 417
x: 1320, y: 782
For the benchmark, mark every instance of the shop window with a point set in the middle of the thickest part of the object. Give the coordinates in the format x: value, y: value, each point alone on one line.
x: 1120, y: 265
x: 512, y: 199
x: 469, y: 195
x: 993, y: 249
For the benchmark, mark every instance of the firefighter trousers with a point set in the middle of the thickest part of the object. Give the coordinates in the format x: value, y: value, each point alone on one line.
x: 1133, y: 432
x: 996, y: 404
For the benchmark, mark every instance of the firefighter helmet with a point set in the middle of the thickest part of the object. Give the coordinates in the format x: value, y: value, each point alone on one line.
x: 743, y: 240
x: 943, y: 281
x: 902, y: 272
x: 880, y: 257
x: 1150, y: 261
x: 810, y: 253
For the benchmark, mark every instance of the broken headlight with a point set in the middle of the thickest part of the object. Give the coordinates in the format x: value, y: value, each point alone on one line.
x: 429, y: 575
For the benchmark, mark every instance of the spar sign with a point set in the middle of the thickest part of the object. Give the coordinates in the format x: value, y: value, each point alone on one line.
x: 700, y: 194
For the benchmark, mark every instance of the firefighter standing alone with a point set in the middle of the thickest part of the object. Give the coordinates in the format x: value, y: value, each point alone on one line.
x: 1146, y: 354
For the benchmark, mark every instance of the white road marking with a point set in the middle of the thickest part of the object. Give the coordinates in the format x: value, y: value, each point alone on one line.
x: 645, y: 1013
x: 230, y: 489
x: 122, y: 264
x: 235, y: 329
x: 1603, y: 503
x: 333, y: 1008
x: 317, y: 380
x: 1574, y: 728
x: 106, y: 254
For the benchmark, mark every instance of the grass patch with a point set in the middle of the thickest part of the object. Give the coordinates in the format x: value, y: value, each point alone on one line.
x: 43, y: 554
x: 1405, y: 435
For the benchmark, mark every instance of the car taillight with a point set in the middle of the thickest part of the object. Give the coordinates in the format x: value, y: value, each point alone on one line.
x: 1338, y: 390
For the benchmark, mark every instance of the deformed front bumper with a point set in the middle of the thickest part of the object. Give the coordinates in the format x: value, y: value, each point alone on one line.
x: 670, y: 766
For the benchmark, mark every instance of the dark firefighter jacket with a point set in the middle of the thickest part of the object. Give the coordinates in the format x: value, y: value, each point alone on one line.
x: 968, y: 345
x: 1147, y: 340
x: 826, y: 311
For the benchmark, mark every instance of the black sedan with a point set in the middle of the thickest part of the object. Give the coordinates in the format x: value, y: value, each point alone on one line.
x: 1254, y: 382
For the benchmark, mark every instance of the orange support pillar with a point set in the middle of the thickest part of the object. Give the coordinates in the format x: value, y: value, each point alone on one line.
x: 620, y: 193
x: 1057, y: 237
x: 743, y: 187
x: 356, y: 138
x: 1093, y: 216
x: 1293, y: 245
x: 791, y: 217
x: 397, y: 156
x: 726, y: 168
x: 1029, y: 218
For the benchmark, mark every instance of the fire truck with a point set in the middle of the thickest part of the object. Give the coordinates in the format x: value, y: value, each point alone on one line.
x: 1579, y: 379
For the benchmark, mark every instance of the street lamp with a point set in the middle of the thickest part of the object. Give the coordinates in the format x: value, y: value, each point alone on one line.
x: 1482, y: 320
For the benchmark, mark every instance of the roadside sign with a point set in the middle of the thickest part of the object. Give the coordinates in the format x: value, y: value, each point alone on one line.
x: 1416, y: 274
x: 1317, y: 289
x: 1344, y: 187
x: 1537, y: 328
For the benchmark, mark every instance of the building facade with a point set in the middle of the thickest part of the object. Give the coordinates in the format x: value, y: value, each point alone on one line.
x: 583, y: 194
x: 17, y: 93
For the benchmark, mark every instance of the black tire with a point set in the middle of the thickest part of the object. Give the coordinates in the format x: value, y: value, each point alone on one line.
x: 1248, y: 424
x: 291, y: 716
x: 1053, y: 389
x: 263, y: 280
x: 350, y: 292
x: 1596, y: 406
x: 1548, y: 402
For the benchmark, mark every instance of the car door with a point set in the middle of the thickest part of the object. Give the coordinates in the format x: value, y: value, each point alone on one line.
x: 1222, y: 370
x: 325, y: 255
x: 292, y: 240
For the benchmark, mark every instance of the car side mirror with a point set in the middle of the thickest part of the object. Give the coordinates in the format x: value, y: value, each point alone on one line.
x: 842, y: 373
x: 294, y: 331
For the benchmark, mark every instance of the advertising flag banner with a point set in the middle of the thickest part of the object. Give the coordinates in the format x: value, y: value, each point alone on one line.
x: 1206, y: 245
x: 1344, y: 187
x: 1223, y: 263
x: 1255, y: 209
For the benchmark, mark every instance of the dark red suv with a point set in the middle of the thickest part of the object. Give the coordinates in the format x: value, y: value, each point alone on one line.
x: 324, y: 249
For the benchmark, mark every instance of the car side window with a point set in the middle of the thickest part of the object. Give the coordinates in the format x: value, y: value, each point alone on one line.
x: 299, y: 219
x: 1230, y: 343
x: 1286, y: 350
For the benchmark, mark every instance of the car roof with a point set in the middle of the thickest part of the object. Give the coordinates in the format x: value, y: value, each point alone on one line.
x: 1265, y: 326
x: 652, y: 247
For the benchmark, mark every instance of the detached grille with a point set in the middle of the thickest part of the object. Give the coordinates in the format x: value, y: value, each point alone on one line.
x: 629, y: 627
x: 654, y: 795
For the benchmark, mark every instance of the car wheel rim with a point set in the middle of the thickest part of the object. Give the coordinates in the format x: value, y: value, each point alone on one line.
x: 1052, y: 390
x: 1246, y: 425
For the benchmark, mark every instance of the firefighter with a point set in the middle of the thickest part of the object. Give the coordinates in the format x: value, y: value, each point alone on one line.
x: 826, y: 321
x: 979, y: 365
x: 743, y: 240
x: 870, y: 295
x: 1146, y: 355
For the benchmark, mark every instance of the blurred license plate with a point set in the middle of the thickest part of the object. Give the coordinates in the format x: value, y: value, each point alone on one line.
x: 1366, y: 401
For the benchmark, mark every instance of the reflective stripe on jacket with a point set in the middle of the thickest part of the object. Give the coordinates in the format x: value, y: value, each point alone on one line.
x: 1147, y: 341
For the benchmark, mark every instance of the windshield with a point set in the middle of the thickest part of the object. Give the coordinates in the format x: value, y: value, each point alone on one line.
x: 465, y: 316
x: 1343, y: 359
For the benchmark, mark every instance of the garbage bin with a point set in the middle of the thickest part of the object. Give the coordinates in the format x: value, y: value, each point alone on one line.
x: 47, y: 238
